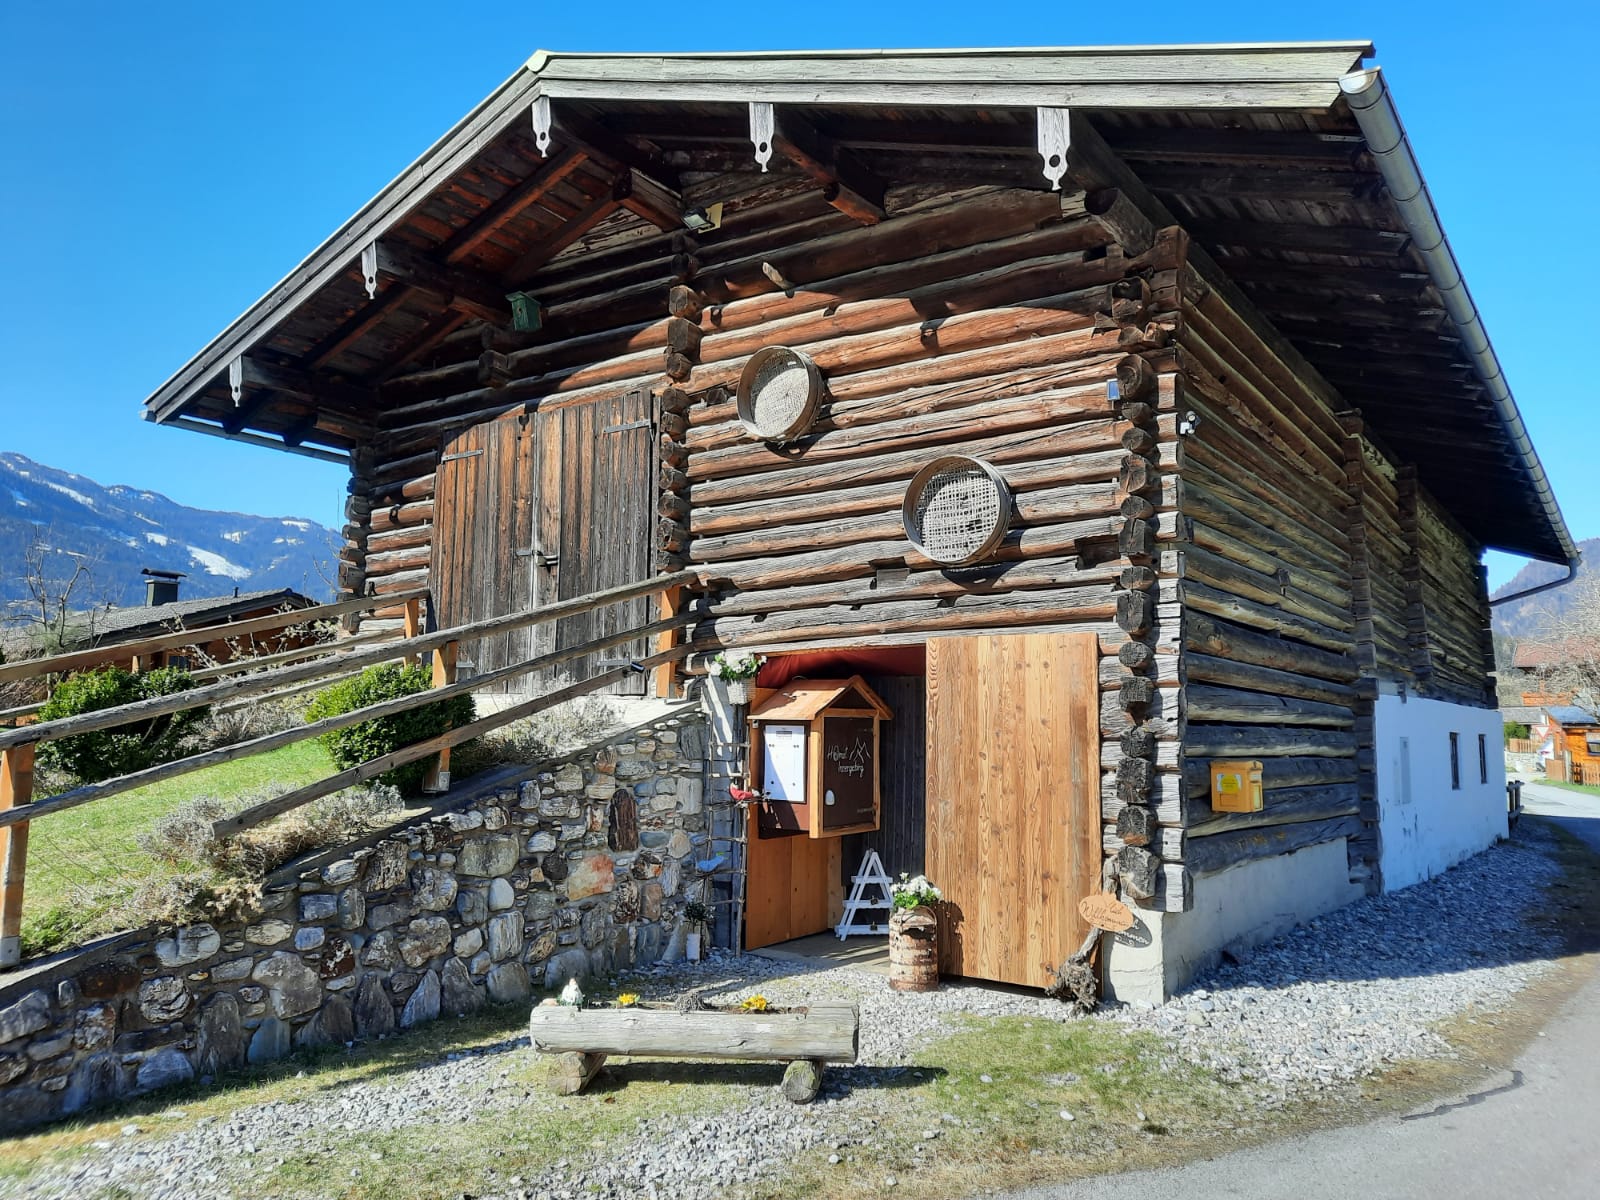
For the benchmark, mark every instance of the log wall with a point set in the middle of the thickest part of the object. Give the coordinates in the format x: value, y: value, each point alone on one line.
x: 1269, y: 588
x: 1298, y: 563
x: 1013, y: 328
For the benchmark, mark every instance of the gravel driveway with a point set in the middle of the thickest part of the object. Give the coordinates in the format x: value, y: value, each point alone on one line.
x: 1323, y: 1005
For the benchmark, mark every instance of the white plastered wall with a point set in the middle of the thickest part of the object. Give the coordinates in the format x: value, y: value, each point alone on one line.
x: 1426, y: 825
x: 1240, y: 907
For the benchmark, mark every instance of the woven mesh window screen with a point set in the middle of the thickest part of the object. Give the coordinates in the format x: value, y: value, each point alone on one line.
x: 957, y: 510
x: 779, y: 390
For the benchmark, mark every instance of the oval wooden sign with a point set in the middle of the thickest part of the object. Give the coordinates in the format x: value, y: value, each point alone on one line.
x: 1105, y: 911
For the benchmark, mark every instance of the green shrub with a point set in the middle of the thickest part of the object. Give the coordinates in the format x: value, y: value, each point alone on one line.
x: 101, y: 754
x: 1517, y: 729
x: 373, y: 739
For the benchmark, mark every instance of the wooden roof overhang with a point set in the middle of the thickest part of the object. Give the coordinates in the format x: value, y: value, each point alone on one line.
x: 1252, y: 148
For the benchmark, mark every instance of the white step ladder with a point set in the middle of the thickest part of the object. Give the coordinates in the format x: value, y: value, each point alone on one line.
x: 869, y: 874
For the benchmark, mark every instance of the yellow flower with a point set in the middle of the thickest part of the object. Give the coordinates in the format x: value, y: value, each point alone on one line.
x: 627, y: 999
x: 757, y: 1003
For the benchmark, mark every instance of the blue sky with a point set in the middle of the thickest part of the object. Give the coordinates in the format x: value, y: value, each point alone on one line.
x: 164, y: 164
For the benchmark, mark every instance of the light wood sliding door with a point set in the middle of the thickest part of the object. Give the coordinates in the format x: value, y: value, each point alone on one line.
x: 1013, y: 823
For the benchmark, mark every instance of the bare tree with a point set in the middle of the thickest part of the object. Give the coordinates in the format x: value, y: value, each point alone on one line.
x: 1569, y: 641
x: 58, y: 606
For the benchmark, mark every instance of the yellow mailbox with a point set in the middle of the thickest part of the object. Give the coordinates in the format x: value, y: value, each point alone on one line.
x: 1236, y: 786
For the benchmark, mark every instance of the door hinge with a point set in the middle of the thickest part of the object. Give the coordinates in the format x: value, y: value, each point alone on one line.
x: 642, y: 423
x: 459, y: 454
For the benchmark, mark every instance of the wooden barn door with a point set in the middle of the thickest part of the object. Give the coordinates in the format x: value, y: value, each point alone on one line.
x: 1013, y: 835
x: 484, y: 496
x: 597, y: 500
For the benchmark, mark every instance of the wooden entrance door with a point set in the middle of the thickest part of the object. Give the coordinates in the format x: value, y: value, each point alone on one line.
x: 1013, y: 820
x: 484, y: 495
x: 597, y: 502
x: 534, y: 509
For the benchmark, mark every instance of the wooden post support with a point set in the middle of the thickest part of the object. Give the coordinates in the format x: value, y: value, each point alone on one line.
x: 670, y: 604
x: 16, y: 789
x: 444, y: 674
x: 413, y: 619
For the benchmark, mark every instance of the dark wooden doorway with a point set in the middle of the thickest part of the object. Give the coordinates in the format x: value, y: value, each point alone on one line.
x: 533, y: 509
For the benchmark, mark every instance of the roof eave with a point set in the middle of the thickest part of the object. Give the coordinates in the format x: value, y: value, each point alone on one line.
x: 1373, y: 107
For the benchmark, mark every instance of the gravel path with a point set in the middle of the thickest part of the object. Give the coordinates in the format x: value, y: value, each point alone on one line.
x: 1320, y: 1006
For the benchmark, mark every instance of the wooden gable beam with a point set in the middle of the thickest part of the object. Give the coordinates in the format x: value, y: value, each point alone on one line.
x: 645, y: 197
x: 461, y: 288
x: 570, y: 231
x: 430, y: 335
x: 846, y: 183
x: 572, y: 128
x: 245, y: 373
x: 518, y: 200
x: 356, y: 326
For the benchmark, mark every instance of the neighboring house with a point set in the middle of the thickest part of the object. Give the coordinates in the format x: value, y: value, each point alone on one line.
x: 1569, y: 740
x: 1229, y: 445
x: 1538, y: 664
x: 166, y: 613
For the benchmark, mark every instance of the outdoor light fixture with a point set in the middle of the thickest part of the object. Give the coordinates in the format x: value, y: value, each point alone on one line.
x: 703, y: 220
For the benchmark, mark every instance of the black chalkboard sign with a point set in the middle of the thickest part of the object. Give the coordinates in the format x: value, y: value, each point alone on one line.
x: 849, y: 771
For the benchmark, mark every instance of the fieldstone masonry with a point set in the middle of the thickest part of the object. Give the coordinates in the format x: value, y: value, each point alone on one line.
x: 516, y: 891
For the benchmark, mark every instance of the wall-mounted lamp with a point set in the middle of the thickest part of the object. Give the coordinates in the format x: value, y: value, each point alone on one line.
x: 703, y: 220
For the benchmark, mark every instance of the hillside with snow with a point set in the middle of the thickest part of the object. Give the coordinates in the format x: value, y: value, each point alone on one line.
x: 118, y: 530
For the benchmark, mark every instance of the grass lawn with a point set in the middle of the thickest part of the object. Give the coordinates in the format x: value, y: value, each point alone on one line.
x: 81, y: 862
x: 994, y: 1089
x: 1572, y: 787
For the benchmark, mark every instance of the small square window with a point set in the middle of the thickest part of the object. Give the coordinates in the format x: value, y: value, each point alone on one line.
x: 1455, y: 762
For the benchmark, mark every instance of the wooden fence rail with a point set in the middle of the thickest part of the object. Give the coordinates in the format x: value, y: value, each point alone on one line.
x: 79, y: 660
x: 17, y: 744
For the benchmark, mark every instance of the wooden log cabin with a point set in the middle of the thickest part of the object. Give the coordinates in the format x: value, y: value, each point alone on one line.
x: 1186, y: 311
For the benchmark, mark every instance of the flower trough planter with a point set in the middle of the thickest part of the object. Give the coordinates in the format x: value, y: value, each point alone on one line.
x: 805, y: 1038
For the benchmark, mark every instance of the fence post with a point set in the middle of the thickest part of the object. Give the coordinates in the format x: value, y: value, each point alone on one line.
x: 413, y: 618
x: 16, y: 789
x: 444, y: 673
x: 669, y: 603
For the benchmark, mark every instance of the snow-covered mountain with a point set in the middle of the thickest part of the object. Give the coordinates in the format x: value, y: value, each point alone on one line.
x: 118, y: 530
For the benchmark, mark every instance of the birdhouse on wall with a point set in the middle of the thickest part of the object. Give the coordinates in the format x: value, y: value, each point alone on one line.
x: 814, y: 757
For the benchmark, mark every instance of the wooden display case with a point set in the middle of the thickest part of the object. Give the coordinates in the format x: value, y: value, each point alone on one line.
x: 814, y: 757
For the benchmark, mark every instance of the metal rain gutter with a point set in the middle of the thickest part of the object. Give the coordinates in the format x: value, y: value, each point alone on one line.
x: 1370, y: 101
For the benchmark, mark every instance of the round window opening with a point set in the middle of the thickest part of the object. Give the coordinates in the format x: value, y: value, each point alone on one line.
x: 957, y: 510
x: 779, y: 390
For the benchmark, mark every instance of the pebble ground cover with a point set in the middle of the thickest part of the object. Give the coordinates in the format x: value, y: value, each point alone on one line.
x: 958, y: 1092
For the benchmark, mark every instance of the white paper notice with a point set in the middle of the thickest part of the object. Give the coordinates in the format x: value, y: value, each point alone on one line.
x: 783, y: 751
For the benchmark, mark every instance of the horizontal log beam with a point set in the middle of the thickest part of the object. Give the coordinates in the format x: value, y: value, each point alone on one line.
x: 1205, y: 856
x: 821, y: 1033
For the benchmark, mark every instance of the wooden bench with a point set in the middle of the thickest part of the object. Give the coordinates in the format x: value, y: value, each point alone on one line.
x: 805, y: 1038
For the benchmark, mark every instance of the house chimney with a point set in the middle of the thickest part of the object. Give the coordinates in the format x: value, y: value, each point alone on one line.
x: 160, y: 587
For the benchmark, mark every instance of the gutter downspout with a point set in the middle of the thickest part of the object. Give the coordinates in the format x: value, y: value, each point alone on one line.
x: 1572, y: 569
x: 1369, y: 99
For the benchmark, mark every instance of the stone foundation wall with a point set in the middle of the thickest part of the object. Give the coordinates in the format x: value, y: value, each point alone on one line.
x: 579, y: 868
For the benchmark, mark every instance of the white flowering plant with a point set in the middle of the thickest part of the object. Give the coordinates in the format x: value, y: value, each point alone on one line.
x: 736, y: 666
x: 572, y: 995
x: 913, y: 892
